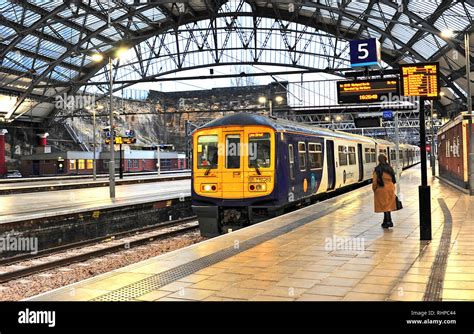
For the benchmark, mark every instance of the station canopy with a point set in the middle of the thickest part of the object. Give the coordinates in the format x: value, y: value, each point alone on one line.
x: 48, y: 48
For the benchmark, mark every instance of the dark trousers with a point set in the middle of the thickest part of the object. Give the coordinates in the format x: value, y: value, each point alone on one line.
x: 387, y: 217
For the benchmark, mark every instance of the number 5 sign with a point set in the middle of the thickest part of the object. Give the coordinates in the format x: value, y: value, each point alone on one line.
x: 365, y: 52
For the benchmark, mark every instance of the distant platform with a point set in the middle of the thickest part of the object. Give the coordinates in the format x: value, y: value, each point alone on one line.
x: 35, y: 205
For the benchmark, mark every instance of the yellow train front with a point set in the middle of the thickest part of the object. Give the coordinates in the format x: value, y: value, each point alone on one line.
x: 233, y: 173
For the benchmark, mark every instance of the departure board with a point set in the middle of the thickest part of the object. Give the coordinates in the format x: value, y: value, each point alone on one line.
x: 363, y: 91
x: 420, y: 80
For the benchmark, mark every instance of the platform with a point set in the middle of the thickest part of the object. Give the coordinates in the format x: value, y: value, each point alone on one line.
x: 17, y: 207
x: 77, y: 182
x: 330, y: 251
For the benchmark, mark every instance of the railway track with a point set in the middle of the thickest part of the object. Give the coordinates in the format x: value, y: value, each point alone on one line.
x: 89, y: 249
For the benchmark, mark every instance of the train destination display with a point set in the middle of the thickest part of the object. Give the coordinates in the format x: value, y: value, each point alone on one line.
x: 363, y: 91
x: 420, y: 80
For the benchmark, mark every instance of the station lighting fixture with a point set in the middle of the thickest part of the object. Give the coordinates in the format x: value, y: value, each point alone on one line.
x: 279, y: 99
x: 442, y: 93
x: 435, y: 115
x: 97, y: 57
x: 448, y: 33
x: 262, y: 99
x: 338, y: 118
x: 327, y: 118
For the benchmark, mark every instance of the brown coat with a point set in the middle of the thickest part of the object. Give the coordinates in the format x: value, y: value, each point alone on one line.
x: 384, y: 197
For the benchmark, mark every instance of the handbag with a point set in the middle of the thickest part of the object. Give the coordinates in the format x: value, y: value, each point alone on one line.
x: 398, y: 203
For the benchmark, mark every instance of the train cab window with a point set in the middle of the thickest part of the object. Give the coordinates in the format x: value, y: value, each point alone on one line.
x: 352, y: 155
x: 232, y: 151
x: 342, y: 150
x: 207, y: 150
x: 259, y: 150
x: 315, y: 155
x: 302, y: 155
x: 291, y: 160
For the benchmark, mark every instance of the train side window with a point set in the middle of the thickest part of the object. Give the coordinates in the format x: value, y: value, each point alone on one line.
x: 448, y: 151
x: 373, y: 155
x: 291, y: 160
x: 302, y: 155
x: 368, y: 157
x: 352, y: 155
x: 232, y: 151
x: 393, y: 155
x: 207, y: 151
x: 342, y: 156
x: 315, y: 155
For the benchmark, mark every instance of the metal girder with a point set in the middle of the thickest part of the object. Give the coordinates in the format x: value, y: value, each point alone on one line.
x: 179, y: 18
x: 62, y: 20
x: 19, y: 28
x: 428, y: 24
x: 67, y: 54
x: 31, y: 29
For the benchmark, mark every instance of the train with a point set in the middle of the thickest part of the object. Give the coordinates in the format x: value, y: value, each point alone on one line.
x: 247, y: 168
x: 452, y: 149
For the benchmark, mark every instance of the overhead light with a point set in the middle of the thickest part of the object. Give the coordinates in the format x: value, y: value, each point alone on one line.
x: 97, y: 57
x: 100, y: 107
x: 448, y: 33
x: 121, y: 52
x: 262, y: 99
x: 327, y: 118
x: 279, y: 99
x: 338, y: 118
x: 442, y: 93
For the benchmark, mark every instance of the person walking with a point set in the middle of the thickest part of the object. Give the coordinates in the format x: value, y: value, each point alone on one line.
x: 383, y: 185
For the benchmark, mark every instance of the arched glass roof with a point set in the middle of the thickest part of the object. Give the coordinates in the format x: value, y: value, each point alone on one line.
x: 46, y: 46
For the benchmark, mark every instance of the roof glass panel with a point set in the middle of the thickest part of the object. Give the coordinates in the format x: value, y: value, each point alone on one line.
x: 454, y: 18
x: 153, y: 14
x: 402, y: 32
x: 423, y: 8
x: 60, y: 31
x: 30, y: 18
x: 426, y: 46
x: 7, y: 34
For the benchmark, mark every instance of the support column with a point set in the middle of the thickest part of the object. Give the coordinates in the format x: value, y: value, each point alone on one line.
x: 424, y: 191
x: 3, y: 164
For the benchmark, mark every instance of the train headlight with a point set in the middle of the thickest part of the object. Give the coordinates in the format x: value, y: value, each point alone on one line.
x: 258, y: 187
x: 208, y: 188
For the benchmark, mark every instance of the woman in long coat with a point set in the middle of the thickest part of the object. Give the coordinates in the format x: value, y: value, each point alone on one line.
x: 383, y: 185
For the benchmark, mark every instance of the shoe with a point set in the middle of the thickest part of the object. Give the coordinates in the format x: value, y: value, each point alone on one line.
x: 385, y: 225
x: 390, y: 224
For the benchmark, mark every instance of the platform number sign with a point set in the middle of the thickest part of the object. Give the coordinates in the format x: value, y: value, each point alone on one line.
x: 365, y: 52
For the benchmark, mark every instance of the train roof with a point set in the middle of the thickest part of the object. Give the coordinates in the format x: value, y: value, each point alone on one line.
x: 281, y: 125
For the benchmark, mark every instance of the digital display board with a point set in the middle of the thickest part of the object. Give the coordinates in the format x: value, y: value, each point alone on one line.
x: 364, y: 91
x: 420, y: 80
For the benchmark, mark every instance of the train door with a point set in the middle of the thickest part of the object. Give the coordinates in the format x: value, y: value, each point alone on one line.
x: 233, y: 173
x: 330, y: 164
x: 361, y: 162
